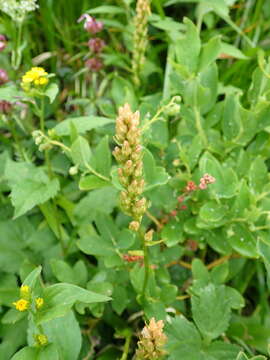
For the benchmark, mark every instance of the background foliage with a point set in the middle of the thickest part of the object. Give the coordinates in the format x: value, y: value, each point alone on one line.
x: 210, y: 254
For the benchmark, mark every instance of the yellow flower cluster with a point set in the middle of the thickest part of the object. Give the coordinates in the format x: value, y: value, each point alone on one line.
x: 37, y: 76
x: 25, y: 299
x: 25, y: 292
x: 39, y: 302
x: 21, y: 304
x: 41, y: 340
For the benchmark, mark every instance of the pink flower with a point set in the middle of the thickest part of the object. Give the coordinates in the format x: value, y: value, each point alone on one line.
x: 94, y: 64
x: 3, y: 42
x: 3, y: 77
x: 91, y: 24
x: 96, y: 45
x: 205, y: 180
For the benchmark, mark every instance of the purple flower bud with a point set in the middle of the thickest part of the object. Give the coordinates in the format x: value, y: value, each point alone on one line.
x: 3, y: 77
x: 96, y: 45
x: 3, y: 42
x: 94, y: 64
x: 91, y: 24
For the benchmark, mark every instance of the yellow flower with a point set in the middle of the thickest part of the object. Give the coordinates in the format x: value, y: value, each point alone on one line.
x: 25, y: 292
x: 21, y: 304
x: 36, y: 76
x: 39, y: 302
x: 41, y: 339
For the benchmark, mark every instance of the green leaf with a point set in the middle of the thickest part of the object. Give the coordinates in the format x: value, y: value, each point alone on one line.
x: 188, y: 48
x: 13, y: 240
x: 32, y: 278
x: 154, y: 175
x: 59, y: 298
x: 242, y: 240
x: 212, y: 211
x: 82, y: 124
x: 120, y: 299
x: 210, y: 52
x: 172, y: 233
x: 27, y: 353
x: 231, y: 50
x: 103, y: 158
x: 184, y: 341
x: 106, y: 9
x: 52, y: 91
x: 258, y: 175
x: 263, y: 248
x: 226, y: 182
x: 62, y: 271
x: 68, y: 341
x: 96, y: 245
x: 80, y: 151
x: 30, y: 186
x: 231, y: 123
x: 48, y: 352
x: 10, y: 93
x: 220, y: 350
x: 91, y: 182
x: 211, y: 310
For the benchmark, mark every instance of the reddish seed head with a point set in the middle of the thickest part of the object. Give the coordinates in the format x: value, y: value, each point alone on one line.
x: 173, y: 213
x: 191, y: 186
x: 183, y: 207
x: 132, y: 258
x: 180, y: 199
x: 94, y: 64
x: 96, y: 45
x: 3, y: 77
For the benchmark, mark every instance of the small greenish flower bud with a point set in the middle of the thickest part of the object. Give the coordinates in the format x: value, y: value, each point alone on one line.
x: 51, y: 133
x: 134, y: 225
x: 177, y: 99
x: 36, y: 133
x: 149, y: 235
x: 45, y: 146
x: 128, y: 168
x: 138, y: 170
x: 73, y: 170
x: 126, y: 149
x: 38, y: 140
x: 173, y: 110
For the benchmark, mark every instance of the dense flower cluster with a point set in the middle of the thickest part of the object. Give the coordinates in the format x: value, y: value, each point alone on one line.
x: 140, y: 37
x: 95, y: 44
x: 41, y: 340
x: 36, y: 77
x: 152, y: 341
x: 129, y: 156
x: 17, y: 9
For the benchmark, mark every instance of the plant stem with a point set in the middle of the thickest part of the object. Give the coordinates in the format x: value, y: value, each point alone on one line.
x: 16, y: 139
x: 126, y: 347
x: 199, y: 126
x: 51, y: 175
x: 146, y: 264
